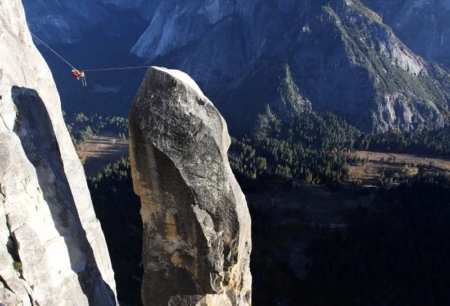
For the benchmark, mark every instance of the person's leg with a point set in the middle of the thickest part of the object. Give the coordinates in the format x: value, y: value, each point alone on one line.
x: 83, y: 78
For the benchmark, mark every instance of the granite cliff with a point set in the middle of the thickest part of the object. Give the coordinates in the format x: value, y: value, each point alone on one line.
x: 196, y: 223
x: 68, y: 22
x: 424, y: 26
x: 52, y: 249
x: 364, y: 59
x: 341, y: 57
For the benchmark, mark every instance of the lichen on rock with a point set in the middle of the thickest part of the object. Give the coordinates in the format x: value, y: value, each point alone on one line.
x: 197, y: 226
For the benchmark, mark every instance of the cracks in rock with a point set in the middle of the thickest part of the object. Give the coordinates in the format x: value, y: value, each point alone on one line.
x: 198, y: 175
x: 30, y: 293
x: 24, y: 187
x: 2, y: 191
x: 4, y: 122
x: 11, y: 248
x: 18, y: 301
x: 200, y: 128
x: 5, y: 284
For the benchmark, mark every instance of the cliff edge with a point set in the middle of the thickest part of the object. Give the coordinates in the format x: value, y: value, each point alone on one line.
x: 52, y: 250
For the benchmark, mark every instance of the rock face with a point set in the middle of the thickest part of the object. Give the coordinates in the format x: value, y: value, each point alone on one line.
x: 424, y: 26
x: 59, y: 21
x: 68, y: 21
x: 196, y: 224
x: 340, y: 54
x: 52, y: 250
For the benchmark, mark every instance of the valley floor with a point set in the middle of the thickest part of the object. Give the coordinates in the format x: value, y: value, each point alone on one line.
x: 106, y: 148
x: 394, y: 165
x: 100, y: 150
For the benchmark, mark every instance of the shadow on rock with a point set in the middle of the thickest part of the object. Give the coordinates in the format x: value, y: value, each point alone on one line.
x: 35, y: 130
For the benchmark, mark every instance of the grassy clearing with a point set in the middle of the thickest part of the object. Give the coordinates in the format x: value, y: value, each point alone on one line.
x: 101, y: 150
x: 394, y: 164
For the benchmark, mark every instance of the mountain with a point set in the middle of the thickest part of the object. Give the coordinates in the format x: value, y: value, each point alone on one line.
x: 68, y: 22
x: 53, y: 250
x: 337, y: 55
x: 424, y: 26
x: 340, y: 57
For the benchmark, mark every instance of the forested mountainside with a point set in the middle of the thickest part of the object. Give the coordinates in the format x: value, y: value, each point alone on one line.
x: 338, y: 215
x: 314, y: 152
x: 333, y: 55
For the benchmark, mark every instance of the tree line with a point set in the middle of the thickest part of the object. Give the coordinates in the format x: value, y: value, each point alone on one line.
x: 313, y: 148
x: 393, y: 254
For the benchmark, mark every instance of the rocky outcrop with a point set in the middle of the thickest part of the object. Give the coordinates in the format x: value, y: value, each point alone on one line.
x: 196, y: 224
x: 52, y: 249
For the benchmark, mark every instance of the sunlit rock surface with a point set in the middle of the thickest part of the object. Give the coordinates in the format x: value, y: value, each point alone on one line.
x: 197, y: 227
x: 52, y: 249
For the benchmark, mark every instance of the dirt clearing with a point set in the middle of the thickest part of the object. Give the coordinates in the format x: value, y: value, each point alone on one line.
x: 101, y: 150
x: 390, y: 163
